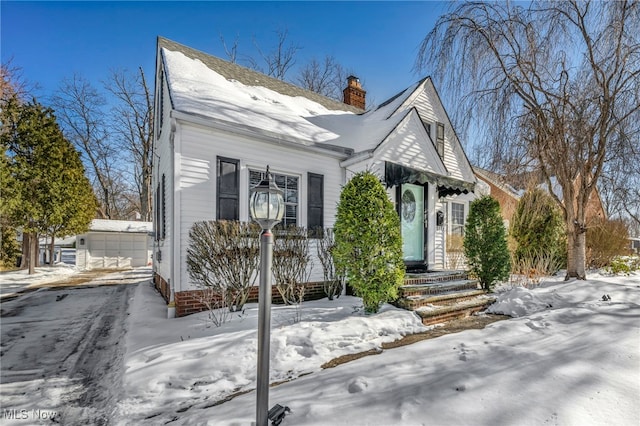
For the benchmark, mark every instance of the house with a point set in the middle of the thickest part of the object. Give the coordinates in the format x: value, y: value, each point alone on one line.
x: 115, y: 244
x: 508, y: 190
x: 219, y: 125
x: 506, y: 195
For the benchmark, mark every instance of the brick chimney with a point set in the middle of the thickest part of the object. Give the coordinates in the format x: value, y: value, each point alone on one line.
x: 353, y: 94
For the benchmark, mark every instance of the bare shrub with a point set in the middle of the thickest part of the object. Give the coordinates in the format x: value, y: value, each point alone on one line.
x: 531, y: 267
x: 606, y: 240
x: 217, y: 306
x: 290, y: 260
x: 333, y: 279
x: 223, y: 257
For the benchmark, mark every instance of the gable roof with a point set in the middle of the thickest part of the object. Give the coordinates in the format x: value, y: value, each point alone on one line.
x: 498, y: 181
x: 249, y: 77
x: 215, y: 92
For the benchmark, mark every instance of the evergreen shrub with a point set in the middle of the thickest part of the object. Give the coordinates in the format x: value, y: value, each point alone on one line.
x: 485, y: 243
x: 537, y: 229
x: 368, y: 243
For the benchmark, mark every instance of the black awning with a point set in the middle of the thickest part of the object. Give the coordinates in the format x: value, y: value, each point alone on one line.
x: 395, y: 174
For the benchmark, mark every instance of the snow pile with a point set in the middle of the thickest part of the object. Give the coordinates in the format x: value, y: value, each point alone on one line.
x: 569, y: 357
x: 199, y: 364
x: 13, y: 281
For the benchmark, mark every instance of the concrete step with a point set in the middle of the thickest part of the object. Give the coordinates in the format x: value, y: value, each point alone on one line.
x: 434, y: 277
x: 438, y: 288
x: 418, y: 301
x: 436, y: 314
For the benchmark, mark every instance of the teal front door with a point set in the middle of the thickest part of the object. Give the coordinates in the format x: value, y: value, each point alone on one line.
x: 412, y: 222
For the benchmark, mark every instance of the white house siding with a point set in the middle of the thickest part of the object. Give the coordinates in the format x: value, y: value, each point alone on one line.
x: 200, y: 147
x: 163, y: 159
x: 440, y: 238
x: 431, y: 110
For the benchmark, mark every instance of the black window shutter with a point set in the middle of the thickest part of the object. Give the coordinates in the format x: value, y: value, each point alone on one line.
x: 440, y: 139
x: 156, y: 211
x: 163, y: 209
x: 315, y: 204
x: 228, y: 188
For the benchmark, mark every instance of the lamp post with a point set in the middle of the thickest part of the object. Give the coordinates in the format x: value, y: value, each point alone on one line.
x: 267, y: 208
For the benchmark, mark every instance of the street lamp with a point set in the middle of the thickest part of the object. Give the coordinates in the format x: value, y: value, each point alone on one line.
x: 266, y: 206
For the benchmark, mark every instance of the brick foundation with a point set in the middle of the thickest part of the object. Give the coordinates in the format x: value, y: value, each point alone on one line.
x: 162, y: 286
x: 193, y: 301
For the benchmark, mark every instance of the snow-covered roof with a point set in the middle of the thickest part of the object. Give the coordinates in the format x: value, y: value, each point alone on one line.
x: 221, y: 92
x: 106, y: 225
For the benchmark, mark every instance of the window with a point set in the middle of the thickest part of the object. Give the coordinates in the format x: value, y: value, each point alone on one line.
x: 289, y: 185
x: 440, y: 140
x: 315, y: 204
x: 457, y: 218
x: 228, y: 189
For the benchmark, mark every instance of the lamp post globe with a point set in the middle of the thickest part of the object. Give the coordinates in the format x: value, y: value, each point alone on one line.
x: 266, y: 204
x: 267, y: 208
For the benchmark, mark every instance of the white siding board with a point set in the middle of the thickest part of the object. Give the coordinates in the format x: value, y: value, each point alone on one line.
x: 163, y: 154
x: 200, y: 147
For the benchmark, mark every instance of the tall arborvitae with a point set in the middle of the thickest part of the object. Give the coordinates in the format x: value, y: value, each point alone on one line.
x: 485, y: 242
x: 50, y: 193
x: 368, y: 243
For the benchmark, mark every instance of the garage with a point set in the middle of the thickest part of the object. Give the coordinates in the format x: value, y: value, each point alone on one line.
x: 115, y: 244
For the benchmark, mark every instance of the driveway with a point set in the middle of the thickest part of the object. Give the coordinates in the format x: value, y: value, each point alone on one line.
x: 61, y: 350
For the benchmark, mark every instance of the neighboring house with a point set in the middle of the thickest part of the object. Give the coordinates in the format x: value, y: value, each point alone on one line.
x: 508, y: 193
x: 218, y: 125
x: 115, y: 244
x: 634, y: 244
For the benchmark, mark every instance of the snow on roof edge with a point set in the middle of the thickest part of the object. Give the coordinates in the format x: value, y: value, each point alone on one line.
x: 108, y: 225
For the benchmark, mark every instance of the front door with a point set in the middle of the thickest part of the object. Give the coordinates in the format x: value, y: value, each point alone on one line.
x: 412, y: 221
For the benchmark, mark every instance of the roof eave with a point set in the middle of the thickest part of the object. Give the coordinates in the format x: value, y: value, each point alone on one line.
x: 264, y: 135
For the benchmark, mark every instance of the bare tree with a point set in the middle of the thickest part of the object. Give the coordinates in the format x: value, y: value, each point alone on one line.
x: 80, y: 108
x: 554, y: 84
x: 133, y: 125
x: 232, y: 53
x: 325, y: 77
x: 279, y: 61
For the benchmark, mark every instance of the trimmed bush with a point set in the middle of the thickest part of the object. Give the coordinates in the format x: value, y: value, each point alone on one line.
x: 290, y: 260
x: 333, y: 278
x: 485, y: 243
x: 223, y: 257
x: 368, y: 243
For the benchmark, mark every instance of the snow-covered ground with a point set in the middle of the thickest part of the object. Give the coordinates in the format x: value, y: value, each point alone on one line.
x: 567, y: 358
x: 14, y: 281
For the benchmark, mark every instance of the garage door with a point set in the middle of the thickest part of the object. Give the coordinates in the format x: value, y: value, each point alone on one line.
x: 115, y: 250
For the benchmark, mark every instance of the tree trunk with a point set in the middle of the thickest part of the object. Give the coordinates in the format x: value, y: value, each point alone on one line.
x: 24, y: 260
x: 576, y: 251
x: 52, y: 251
x: 33, y: 249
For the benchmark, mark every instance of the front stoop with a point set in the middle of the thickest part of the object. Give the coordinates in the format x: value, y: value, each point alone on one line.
x: 438, y: 297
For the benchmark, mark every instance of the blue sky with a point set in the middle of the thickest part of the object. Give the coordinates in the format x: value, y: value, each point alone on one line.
x: 52, y: 40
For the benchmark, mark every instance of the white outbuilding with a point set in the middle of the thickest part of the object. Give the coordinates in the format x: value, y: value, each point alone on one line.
x: 115, y: 244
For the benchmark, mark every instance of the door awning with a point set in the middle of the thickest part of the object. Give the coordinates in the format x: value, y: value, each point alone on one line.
x: 396, y: 174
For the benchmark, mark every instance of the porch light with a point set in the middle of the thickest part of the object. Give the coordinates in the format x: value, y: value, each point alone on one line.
x: 267, y: 208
